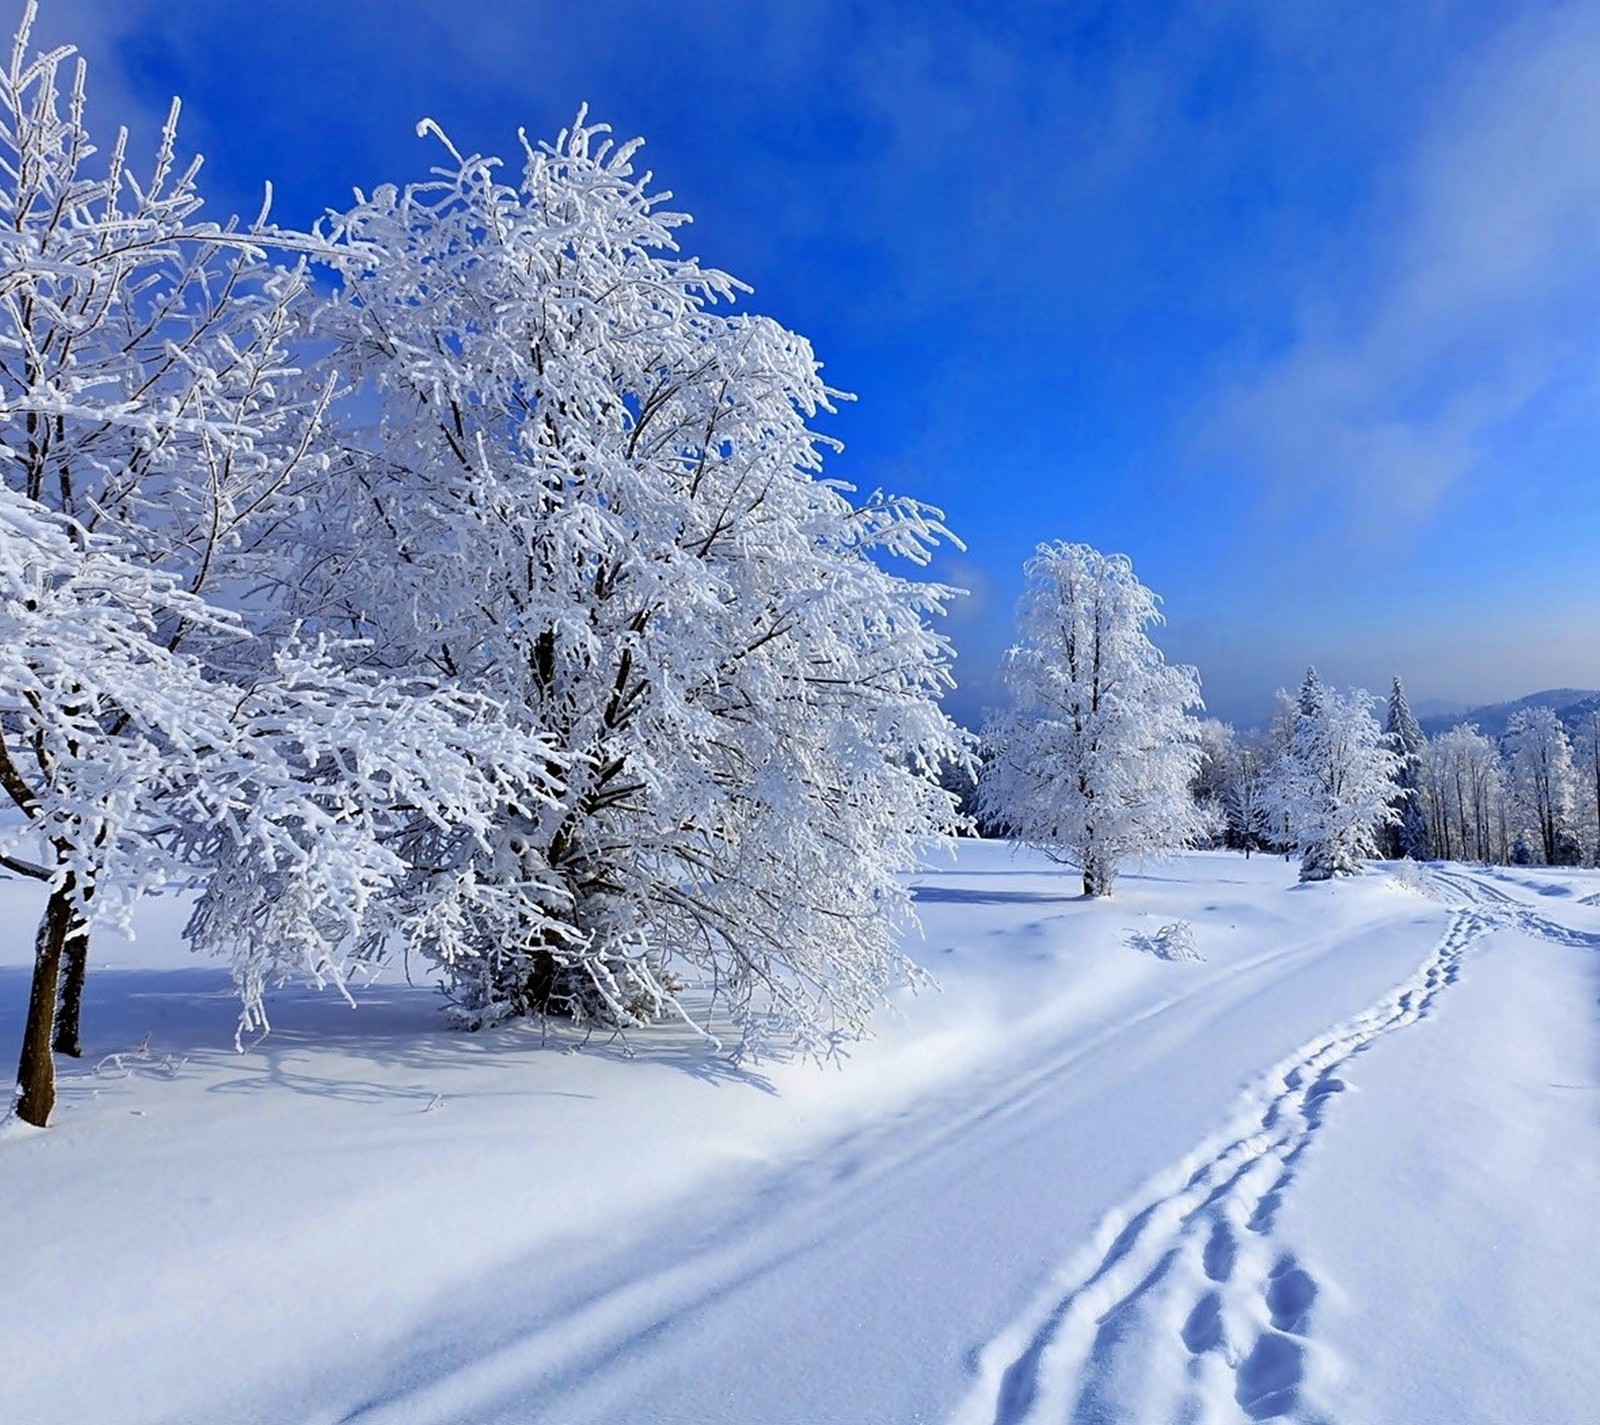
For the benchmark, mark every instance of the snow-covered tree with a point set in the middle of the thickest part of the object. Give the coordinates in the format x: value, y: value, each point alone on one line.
x: 1247, y: 800
x: 136, y: 767
x: 157, y: 720
x: 1219, y: 750
x: 145, y: 389
x: 1277, y: 751
x: 1586, y: 777
x: 589, y: 490
x: 1464, y: 794
x: 1094, y: 761
x: 1408, y: 835
x: 1338, y: 781
x: 1539, y: 763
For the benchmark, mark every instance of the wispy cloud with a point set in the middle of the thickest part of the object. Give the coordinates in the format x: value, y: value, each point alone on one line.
x: 1463, y: 295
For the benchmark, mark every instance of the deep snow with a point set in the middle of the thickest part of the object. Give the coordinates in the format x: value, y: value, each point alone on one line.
x: 1342, y: 1168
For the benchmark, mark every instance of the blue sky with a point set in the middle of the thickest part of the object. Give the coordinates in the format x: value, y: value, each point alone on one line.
x: 1297, y: 304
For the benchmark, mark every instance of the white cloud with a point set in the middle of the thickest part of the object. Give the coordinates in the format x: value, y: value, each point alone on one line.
x: 1466, y: 294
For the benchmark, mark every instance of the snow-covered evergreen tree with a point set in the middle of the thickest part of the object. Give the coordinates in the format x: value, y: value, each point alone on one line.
x: 1277, y: 751
x: 1539, y: 764
x: 1247, y: 800
x: 1219, y: 750
x: 1338, y: 781
x: 590, y: 491
x: 1408, y: 835
x: 1094, y: 761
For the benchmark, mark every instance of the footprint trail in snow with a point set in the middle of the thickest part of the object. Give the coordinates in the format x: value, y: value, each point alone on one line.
x: 1185, y: 1306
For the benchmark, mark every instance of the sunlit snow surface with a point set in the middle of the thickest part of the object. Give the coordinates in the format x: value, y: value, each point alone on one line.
x: 1342, y: 1167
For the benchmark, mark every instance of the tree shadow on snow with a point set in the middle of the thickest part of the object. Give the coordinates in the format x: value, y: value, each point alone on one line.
x: 180, y: 1024
x: 957, y: 895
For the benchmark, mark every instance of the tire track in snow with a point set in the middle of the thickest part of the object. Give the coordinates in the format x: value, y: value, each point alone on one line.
x: 1509, y: 911
x: 1468, y: 888
x: 1184, y: 1300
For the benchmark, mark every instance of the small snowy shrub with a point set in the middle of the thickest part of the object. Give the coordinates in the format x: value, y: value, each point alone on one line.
x: 1171, y: 942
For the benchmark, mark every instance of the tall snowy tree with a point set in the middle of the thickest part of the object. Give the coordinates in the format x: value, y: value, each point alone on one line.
x: 1247, y: 800
x: 144, y: 387
x: 587, y: 489
x: 1408, y: 835
x: 1586, y: 776
x: 1464, y: 793
x: 1277, y: 753
x: 157, y: 723
x: 1539, y: 760
x: 1338, y: 781
x: 1094, y: 761
x: 1219, y: 750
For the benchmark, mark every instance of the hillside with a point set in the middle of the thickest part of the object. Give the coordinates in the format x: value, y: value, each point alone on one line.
x: 1570, y: 704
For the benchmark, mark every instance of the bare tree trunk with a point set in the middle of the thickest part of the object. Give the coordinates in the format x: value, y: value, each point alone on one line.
x: 1097, y: 875
x: 36, y: 1072
x: 69, y: 1006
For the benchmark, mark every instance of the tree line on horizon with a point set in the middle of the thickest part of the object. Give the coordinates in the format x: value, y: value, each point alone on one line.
x: 1528, y: 797
x: 1102, y: 756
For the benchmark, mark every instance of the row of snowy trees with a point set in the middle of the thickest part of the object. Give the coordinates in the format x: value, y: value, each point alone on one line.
x: 1323, y: 779
x: 457, y: 576
x: 1534, y: 796
x: 1101, y: 757
x: 460, y: 577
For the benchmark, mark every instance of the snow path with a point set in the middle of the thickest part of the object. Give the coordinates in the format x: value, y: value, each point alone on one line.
x: 1450, y: 1206
x: 1198, y: 1258
x: 895, y: 1220
x: 1195, y: 1257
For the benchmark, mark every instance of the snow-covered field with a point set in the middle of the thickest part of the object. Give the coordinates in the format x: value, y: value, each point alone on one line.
x: 1344, y: 1167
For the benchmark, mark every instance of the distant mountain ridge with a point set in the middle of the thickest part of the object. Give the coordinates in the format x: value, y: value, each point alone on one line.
x: 1571, y: 705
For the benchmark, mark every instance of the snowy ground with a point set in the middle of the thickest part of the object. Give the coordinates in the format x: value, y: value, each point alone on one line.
x: 1343, y: 1168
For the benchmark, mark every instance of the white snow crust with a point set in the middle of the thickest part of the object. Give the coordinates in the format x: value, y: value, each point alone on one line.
x: 1342, y: 1166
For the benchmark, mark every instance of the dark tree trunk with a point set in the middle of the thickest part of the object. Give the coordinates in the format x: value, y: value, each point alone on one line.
x: 36, y: 1073
x: 539, y: 989
x: 1097, y: 875
x: 69, y: 1007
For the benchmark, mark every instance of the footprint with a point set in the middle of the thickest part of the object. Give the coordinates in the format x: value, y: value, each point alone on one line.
x: 1266, y: 1210
x: 1290, y: 1292
x: 1220, y: 1253
x: 1203, y: 1330
x: 1323, y: 1088
x: 1081, y: 1340
x: 1268, y: 1379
